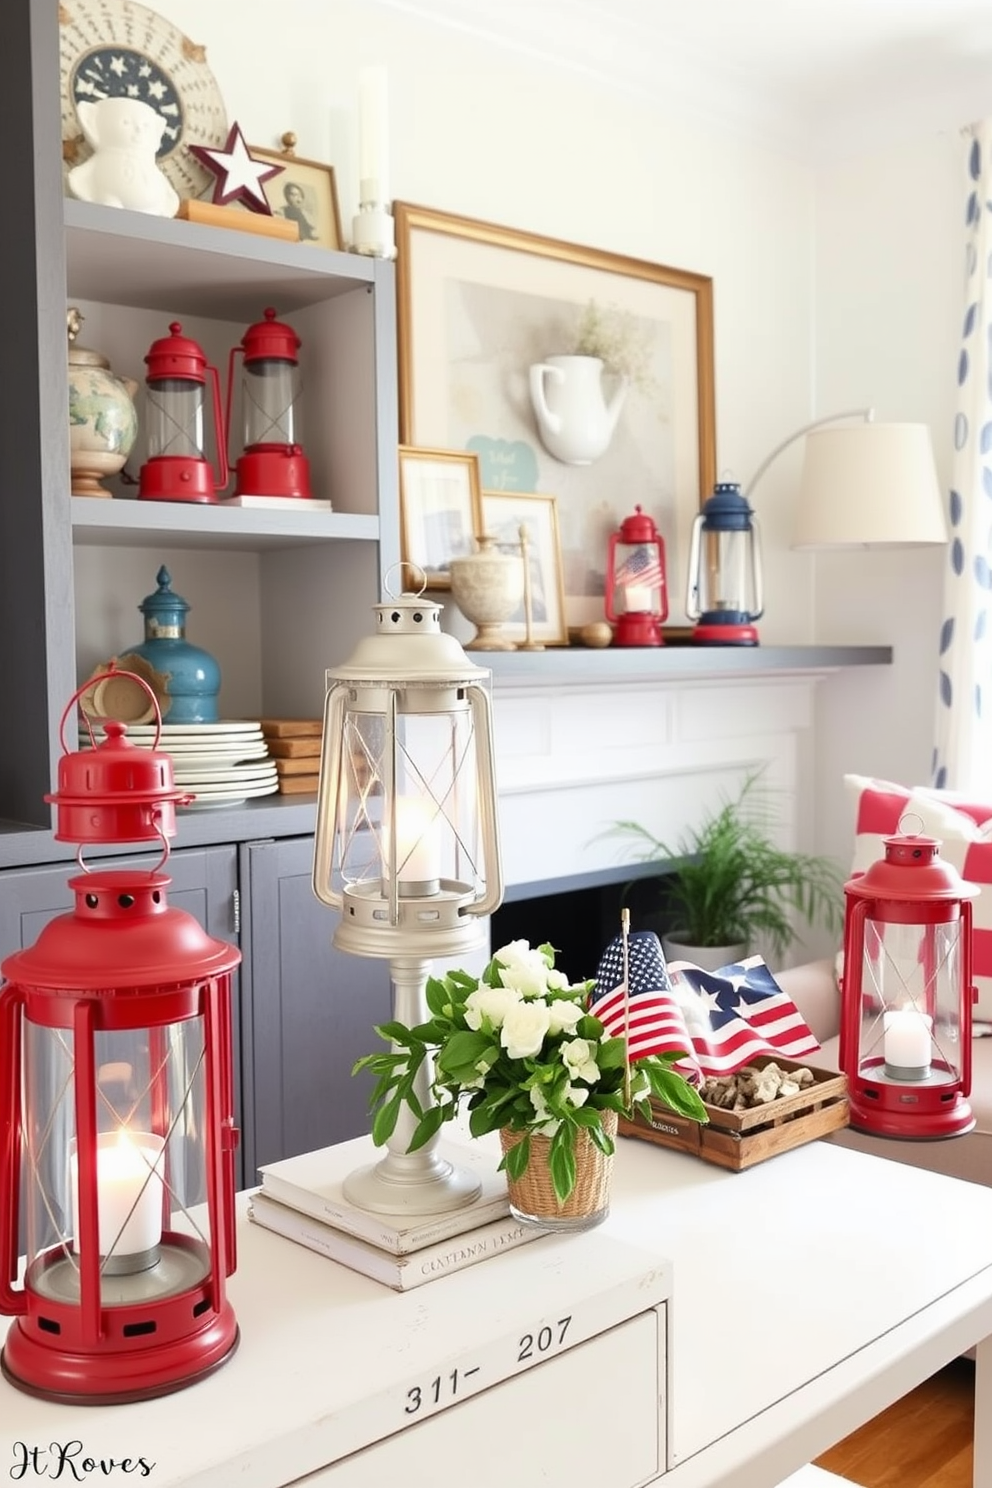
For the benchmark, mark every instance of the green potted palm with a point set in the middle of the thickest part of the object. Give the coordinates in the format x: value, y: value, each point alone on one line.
x: 726, y: 886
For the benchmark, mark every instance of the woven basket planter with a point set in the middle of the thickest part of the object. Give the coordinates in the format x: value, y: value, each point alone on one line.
x: 532, y: 1195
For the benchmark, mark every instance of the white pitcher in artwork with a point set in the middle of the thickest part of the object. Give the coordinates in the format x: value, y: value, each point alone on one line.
x: 574, y: 420
x: 122, y: 171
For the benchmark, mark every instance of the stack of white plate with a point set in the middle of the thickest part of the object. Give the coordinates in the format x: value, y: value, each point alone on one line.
x: 217, y: 763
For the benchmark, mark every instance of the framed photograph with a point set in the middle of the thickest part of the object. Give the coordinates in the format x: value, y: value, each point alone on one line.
x: 440, y: 509
x: 508, y: 514
x: 570, y: 372
x: 305, y: 192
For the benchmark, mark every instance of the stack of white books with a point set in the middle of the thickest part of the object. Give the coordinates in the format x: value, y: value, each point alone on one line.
x: 303, y: 1199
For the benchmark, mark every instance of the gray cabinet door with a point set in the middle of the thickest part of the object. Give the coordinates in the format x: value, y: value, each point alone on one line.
x: 308, y: 1012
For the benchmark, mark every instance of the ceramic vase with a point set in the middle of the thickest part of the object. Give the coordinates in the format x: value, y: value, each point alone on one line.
x: 574, y: 418
x: 103, y: 424
x: 532, y: 1196
x: 488, y: 587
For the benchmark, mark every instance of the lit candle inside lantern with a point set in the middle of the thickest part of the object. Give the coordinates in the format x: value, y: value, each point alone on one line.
x: 418, y: 846
x: 373, y: 135
x: 637, y: 597
x: 129, y: 1192
x: 906, y: 1042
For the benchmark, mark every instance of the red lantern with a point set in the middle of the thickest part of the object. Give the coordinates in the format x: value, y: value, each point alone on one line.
x: 906, y: 1003
x: 177, y: 468
x: 273, y: 462
x: 636, y: 594
x: 116, y: 1114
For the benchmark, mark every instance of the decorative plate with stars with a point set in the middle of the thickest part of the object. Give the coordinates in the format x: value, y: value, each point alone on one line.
x: 117, y: 48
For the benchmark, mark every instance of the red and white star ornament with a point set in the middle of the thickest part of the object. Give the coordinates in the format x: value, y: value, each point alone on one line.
x: 239, y: 176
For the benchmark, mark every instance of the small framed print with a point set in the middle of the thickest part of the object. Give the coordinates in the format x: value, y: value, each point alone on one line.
x: 507, y: 516
x: 304, y: 192
x: 440, y: 510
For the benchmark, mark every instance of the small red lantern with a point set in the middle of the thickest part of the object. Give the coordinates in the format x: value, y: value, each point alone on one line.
x: 273, y: 462
x: 906, y: 1002
x: 116, y: 1115
x: 636, y: 593
x: 177, y: 468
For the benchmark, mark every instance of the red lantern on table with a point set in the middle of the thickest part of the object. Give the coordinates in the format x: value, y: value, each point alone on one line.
x: 116, y: 1115
x: 177, y: 468
x: 907, y: 994
x: 273, y: 462
x: 636, y: 593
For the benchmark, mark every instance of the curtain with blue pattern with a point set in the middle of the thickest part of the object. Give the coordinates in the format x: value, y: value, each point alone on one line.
x: 963, y: 752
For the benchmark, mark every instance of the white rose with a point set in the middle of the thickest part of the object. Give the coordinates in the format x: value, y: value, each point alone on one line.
x: 524, y: 1029
x: 523, y: 968
x: 556, y: 979
x: 563, y: 1016
x: 576, y: 1095
x: 491, y: 1004
x: 578, y: 1057
x: 550, y: 1126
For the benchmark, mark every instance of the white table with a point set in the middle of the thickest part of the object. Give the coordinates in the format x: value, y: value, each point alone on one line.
x: 876, y: 1274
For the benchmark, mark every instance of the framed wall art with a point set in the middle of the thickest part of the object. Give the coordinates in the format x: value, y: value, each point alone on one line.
x: 440, y: 509
x: 304, y: 192
x: 570, y: 372
x: 504, y: 514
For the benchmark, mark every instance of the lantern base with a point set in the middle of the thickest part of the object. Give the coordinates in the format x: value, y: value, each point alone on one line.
x: 411, y: 1183
x: 712, y: 633
x: 176, y: 478
x: 428, y: 925
x: 273, y: 470
x: 917, y: 1111
x: 116, y: 1378
x: 638, y: 630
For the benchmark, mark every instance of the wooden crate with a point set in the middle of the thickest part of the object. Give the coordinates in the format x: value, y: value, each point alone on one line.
x: 739, y: 1139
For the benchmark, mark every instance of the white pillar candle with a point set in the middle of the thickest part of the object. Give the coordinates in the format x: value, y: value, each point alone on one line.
x: 638, y: 597
x: 129, y: 1192
x: 907, y: 1038
x: 373, y: 135
x: 418, y: 845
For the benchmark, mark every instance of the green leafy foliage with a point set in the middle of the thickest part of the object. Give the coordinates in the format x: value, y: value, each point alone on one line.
x: 519, y: 1048
x: 729, y: 884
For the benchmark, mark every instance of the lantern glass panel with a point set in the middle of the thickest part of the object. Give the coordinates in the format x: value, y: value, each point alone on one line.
x: 174, y: 418
x: 270, y: 388
x: 148, y: 1104
x: 637, y: 586
x: 726, y: 573
x: 910, y: 1025
x: 425, y: 778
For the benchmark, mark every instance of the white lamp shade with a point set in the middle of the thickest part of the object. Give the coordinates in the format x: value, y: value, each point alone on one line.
x: 869, y: 486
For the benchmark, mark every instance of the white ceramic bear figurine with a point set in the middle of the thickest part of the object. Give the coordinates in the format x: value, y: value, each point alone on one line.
x: 122, y: 172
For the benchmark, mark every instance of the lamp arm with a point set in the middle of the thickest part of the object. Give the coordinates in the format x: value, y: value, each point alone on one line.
x: 867, y: 414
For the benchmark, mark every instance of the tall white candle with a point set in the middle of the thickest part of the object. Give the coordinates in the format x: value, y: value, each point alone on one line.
x: 906, y: 1041
x: 129, y: 1192
x: 637, y: 597
x: 373, y: 135
x: 418, y: 844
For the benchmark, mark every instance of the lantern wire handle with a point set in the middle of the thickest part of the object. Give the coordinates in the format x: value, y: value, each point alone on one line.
x: 112, y: 671
x: 910, y: 816
x: 403, y: 563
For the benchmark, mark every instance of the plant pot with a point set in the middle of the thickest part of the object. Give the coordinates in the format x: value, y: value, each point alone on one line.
x: 710, y: 958
x: 533, y: 1200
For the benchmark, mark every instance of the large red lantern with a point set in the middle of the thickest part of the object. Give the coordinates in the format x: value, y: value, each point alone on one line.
x: 117, y: 1137
x: 907, y: 996
x: 636, y: 600
x: 177, y: 467
x: 273, y: 462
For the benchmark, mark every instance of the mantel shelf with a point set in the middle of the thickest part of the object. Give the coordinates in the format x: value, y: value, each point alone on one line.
x: 676, y: 663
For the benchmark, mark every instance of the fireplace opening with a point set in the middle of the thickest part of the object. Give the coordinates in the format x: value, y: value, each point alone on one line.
x: 580, y: 918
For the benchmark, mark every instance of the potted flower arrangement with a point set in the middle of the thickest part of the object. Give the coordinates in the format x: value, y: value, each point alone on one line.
x: 521, y: 1051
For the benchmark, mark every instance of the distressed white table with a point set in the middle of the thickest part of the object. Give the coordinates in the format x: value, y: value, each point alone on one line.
x: 803, y: 1297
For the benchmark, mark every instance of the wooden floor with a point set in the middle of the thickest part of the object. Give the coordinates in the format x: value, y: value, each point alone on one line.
x: 923, y: 1441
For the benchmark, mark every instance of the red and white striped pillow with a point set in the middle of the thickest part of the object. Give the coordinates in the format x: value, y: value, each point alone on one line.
x: 964, y: 830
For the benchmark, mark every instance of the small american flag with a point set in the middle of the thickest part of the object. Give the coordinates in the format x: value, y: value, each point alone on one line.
x: 721, y: 1020
x: 642, y: 567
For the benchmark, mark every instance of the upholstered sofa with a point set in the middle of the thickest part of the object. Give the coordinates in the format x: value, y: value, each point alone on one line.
x: 813, y: 988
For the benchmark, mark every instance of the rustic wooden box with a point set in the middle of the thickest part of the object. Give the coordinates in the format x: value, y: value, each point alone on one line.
x: 739, y: 1139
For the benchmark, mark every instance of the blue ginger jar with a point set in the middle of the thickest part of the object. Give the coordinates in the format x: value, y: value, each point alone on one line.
x: 193, y: 674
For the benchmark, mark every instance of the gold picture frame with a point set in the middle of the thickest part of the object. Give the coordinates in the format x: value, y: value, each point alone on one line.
x: 504, y: 513
x: 440, y: 509
x: 479, y: 306
x: 314, y: 202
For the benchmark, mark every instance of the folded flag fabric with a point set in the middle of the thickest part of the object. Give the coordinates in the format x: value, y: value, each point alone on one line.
x: 719, y: 1019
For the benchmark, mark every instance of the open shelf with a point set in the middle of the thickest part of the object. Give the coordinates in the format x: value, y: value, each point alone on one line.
x: 181, y: 524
